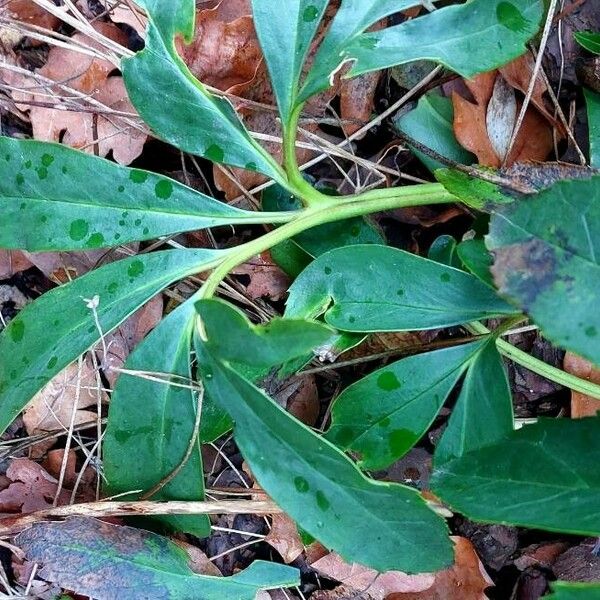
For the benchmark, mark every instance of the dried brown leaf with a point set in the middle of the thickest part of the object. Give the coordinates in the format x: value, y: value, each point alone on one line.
x: 27, y: 12
x: 267, y: 280
x: 12, y: 262
x: 582, y: 405
x: 284, y: 538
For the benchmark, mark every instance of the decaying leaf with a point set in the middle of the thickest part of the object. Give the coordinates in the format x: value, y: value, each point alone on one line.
x: 31, y: 488
x: 27, y: 12
x: 267, y: 280
x: 284, y: 537
x: 12, y: 262
x: 485, y: 126
x: 298, y: 395
x: 114, y: 128
x: 582, y: 405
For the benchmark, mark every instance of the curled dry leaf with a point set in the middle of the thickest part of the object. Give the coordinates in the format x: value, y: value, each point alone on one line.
x: 31, y: 488
x: 114, y: 128
x: 485, y: 127
x: 582, y: 405
x: 73, y: 389
x: 284, y: 537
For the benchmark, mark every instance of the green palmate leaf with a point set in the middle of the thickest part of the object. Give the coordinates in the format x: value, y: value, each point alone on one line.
x: 285, y: 37
x: 593, y: 110
x: 589, y: 40
x: 392, y: 291
x: 483, y: 413
x: 476, y: 258
x: 177, y: 107
x: 383, y: 415
x: 55, y: 210
x: 546, y: 251
x: 150, y: 423
x: 469, y: 38
x: 431, y: 124
x: 382, y: 525
x: 107, y: 561
x: 575, y: 591
x: 54, y: 330
x: 553, y: 464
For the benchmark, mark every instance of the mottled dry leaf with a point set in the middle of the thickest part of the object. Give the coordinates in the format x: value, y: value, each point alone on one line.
x: 199, y: 562
x: 11, y: 262
x: 298, y: 395
x: 582, y: 405
x: 27, y: 12
x: 267, y: 280
x: 284, y: 538
x: 485, y: 126
x: 362, y: 579
x: 52, y: 407
x: 466, y: 580
x: 122, y: 341
x: 124, y: 13
x: 32, y: 488
x: 98, y: 133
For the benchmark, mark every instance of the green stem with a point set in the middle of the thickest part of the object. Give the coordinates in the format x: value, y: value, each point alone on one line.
x: 336, y: 209
x: 539, y: 366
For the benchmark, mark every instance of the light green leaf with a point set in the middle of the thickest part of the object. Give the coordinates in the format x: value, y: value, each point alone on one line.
x: 285, y: 37
x: 150, y: 423
x: 50, y: 202
x: 135, y: 564
x: 383, y: 415
x: 381, y: 525
x: 592, y: 100
x: 476, y: 258
x: 483, y: 413
x: 574, y: 591
x: 546, y: 250
x: 553, y: 464
x: 431, y: 124
x: 351, y: 20
x: 392, y: 291
x: 53, y: 331
x: 177, y: 106
x: 589, y: 40
x: 470, y: 38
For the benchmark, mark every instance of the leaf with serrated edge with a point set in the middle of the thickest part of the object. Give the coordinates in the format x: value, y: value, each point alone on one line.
x: 471, y: 38
x: 382, y: 525
x: 53, y: 331
x: 392, y: 291
x: 285, y: 37
x: 58, y: 206
x: 383, y: 415
x: 178, y: 108
x: 108, y: 561
x: 546, y: 255
x: 483, y: 413
x: 150, y: 423
x: 553, y: 464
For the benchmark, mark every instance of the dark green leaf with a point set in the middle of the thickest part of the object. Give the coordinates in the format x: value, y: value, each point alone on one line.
x: 589, y: 40
x: 381, y: 525
x: 110, y: 562
x: 177, y: 106
x: 476, y: 258
x: 53, y: 331
x: 431, y: 124
x: 285, y: 37
x: 546, y: 251
x: 391, y: 291
x: 443, y: 251
x: 483, y: 413
x: 50, y: 201
x: 470, y: 38
x: 150, y: 423
x: 593, y: 111
x: 574, y: 591
x: 383, y: 415
x: 552, y: 464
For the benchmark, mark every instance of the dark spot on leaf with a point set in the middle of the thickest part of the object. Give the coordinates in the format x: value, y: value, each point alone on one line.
x: 121, y: 188
x: 28, y: 164
x: 310, y: 13
x: 445, y: 277
x: 327, y: 270
x: 113, y: 287
x: 42, y: 172
x: 52, y: 362
x: 342, y: 436
x: 400, y: 293
x: 322, y: 501
x: 215, y: 153
x: 164, y: 189
x: 79, y: 230
x: 511, y: 17
x: 251, y: 166
x: 301, y: 484
x: 16, y: 330
x: 138, y: 176
x: 20, y: 179
x: 136, y: 268
x: 388, y: 382
x: 96, y: 240
x: 137, y: 222
x: 145, y: 231
x: 591, y: 331
x: 64, y: 170
x: 47, y: 159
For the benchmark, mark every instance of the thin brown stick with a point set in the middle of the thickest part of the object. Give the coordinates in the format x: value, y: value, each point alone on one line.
x: 10, y: 526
